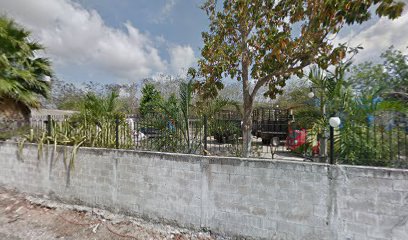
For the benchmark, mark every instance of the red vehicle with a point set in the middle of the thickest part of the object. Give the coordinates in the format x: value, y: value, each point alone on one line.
x: 297, y: 138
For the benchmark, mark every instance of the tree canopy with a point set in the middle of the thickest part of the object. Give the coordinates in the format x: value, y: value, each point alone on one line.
x: 22, y: 73
x: 276, y: 39
x: 150, y: 100
x: 389, y: 79
x: 264, y: 43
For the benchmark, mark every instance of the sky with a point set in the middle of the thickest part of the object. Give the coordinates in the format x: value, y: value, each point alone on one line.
x: 119, y: 41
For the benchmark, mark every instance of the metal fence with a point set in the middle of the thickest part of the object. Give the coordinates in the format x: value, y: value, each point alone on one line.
x: 375, y: 144
x: 219, y: 135
x: 216, y: 135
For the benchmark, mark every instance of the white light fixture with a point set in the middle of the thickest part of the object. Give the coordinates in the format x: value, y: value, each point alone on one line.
x: 46, y: 78
x: 310, y: 95
x: 334, y: 121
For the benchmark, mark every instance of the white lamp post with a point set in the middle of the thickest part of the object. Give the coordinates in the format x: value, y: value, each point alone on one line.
x: 46, y: 78
x: 334, y: 123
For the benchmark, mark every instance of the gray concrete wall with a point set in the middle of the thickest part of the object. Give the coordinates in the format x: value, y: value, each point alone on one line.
x: 244, y: 197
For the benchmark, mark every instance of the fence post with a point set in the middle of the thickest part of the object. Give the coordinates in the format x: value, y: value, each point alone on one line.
x: 205, y: 134
x: 305, y: 146
x: 48, y: 125
x: 117, y: 132
x: 331, y: 145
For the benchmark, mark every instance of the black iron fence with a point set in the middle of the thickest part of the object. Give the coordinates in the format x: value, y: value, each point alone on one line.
x: 374, y: 144
x: 216, y: 135
x: 213, y: 135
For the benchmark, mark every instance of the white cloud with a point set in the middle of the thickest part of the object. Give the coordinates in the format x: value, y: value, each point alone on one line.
x: 181, y: 57
x: 168, y: 6
x: 165, y: 11
x: 73, y: 35
x: 378, y: 37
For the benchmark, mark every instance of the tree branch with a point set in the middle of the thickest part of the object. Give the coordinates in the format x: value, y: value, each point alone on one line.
x: 262, y: 81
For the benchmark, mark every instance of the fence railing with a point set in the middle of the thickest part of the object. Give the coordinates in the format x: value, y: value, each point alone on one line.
x: 373, y: 144
x: 359, y: 144
x: 216, y: 135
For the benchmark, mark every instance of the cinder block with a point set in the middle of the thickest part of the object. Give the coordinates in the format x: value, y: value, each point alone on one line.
x: 262, y: 199
x: 400, y: 185
x: 355, y: 228
x: 362, y: 206
x: 379, y: 232
x: 269, y: 224
x: 367, y: 218
x: 390, y: 197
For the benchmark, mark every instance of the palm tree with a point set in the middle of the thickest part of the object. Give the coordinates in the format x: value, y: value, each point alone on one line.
x: 358, y: 140
x: 99, y: 108
x: 178, y: 111
x: 23, y: 75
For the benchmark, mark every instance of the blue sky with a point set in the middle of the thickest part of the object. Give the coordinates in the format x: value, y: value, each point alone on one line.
x: 128, y: 40
x: 178, y: 21
x: 113, y: 41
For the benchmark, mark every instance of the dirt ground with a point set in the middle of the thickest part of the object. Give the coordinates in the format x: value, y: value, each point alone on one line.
x: 27, y: 217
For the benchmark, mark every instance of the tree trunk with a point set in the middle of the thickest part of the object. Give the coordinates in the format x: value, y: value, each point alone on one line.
x: 247, y: 110
x: 246, y: 129
x: 248, y: 98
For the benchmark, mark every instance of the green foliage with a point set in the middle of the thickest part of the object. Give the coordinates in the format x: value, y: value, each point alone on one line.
x: 225, y: 130
x: 389, y: 79
x: 151, y: 99
x: 366, y: 77
x: 396, y: 67
x: 355, y: 100
x: 359, y: 144
x: 97, y: 121
x: 261, y: 36
x: 177, y: 112
x: 269, y: 41
x: 62, y: 133
x: 6, y: 133
x: 305, y: 118
x: 22, y: 73
x: 94, y: 126
x: 66, y: 96
x: 94, y: 107
x: 296, y: 98
x: 211, y: 107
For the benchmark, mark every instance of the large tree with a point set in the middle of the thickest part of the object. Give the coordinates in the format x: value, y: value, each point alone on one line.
x: 389, y: 79
x: 265, y: 42
x: 151, y: 99
x: 23, y: 75
x: 66, y: 96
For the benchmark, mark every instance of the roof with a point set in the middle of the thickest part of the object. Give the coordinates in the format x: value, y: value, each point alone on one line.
x: 43, y: 111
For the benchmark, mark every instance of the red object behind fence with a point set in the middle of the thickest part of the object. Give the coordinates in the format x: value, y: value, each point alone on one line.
x: 297, y: 138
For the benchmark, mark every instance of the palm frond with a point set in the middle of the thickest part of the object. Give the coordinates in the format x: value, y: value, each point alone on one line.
x: 21, y: 72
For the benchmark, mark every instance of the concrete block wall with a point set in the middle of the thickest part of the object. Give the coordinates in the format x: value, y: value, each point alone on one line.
x: 372, y: 203
x: 242, y: 197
